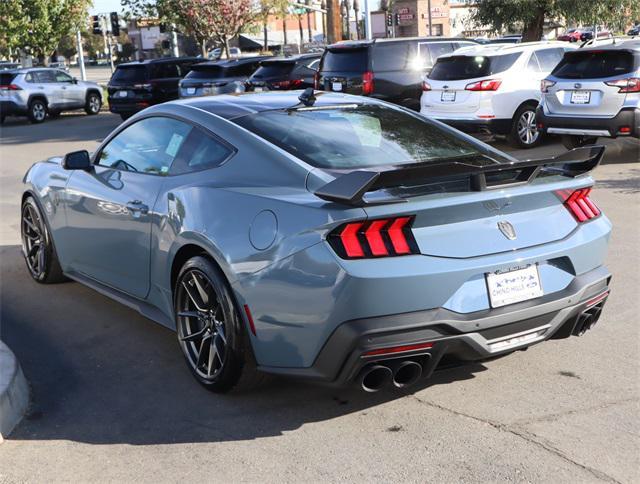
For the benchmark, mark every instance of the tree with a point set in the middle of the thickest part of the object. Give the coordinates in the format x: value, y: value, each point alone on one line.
x: 266, y: 9
x: 530, y: 15
x: 14, y: 24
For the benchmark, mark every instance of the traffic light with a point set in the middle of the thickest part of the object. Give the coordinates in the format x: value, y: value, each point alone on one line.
x: 397, y: 19
x: 389, y: 20
x: 115, y: 25
x: 96, y: 25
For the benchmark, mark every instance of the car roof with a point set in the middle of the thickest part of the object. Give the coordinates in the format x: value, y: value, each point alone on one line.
x: 232, y: 106
x: 616, y: 44
x: 235, y: 62
x: 292, y: 58
x: 499, y: 49
x: 162, y: 60
x: 364, y: 43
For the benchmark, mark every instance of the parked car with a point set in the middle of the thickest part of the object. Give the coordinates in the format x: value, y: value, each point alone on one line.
x: 216, y: 53
x: 571, y: 35
x: 635, y: 30
x: 507, y: 39
x: 219, y: 77
x: 135, y: 86
x: 284, y: 73
x: 59, y: 65
x: 388, y: 69
x: 588, y: 34
x: 593, y: 92
x: 286, y: 252
x: 493, y: 88
x: 40, y: 92
x: 6, y: 65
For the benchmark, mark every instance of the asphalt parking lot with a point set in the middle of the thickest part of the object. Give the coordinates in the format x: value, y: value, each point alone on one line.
x: 113, y: 400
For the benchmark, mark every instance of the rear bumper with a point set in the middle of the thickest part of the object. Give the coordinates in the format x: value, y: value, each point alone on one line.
x: 471, y: 336
x: 11, y: 108
x: 128, y: 107
x: 583, y: 126
x: 494, y: 126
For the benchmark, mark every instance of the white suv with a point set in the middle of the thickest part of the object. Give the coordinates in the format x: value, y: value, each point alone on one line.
x: 493, y: 88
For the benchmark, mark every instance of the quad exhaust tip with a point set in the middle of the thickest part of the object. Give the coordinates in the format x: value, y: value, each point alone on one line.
x: 375, y: 377
x: 404, y: 374
x: 407, y: 373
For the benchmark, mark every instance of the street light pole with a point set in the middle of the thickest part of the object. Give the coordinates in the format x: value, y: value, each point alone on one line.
x: 429, y: 8
x: 367, y: 20
x: 83, y: 73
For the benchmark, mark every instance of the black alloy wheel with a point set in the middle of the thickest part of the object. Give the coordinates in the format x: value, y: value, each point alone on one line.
x: 210, y: 330
x: 37, y: 247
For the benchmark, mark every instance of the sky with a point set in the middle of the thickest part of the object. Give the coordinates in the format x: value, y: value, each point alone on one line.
x: 103, y: 6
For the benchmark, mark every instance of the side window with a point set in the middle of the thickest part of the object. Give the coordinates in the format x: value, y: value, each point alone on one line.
x: 200, y: 152
x: 45, y: 76
x: 315, y: 65
x: 62, y: 77
x: 165, y: 70
x: 439, y: 48
x: 549, y: 58
x: 29, y: 77
x: 148, y: 146
x: 391, y: 56
x: 533, y: 65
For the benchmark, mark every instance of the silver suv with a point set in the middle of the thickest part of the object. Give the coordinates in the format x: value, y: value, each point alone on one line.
x: 39, y: 92
x: 593, y: 92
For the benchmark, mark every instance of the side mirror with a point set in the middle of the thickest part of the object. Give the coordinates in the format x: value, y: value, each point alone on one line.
x: 74, y: 80
x: 77, y: 160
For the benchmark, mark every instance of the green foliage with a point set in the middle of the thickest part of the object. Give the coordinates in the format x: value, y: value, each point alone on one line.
x: 528, y: 16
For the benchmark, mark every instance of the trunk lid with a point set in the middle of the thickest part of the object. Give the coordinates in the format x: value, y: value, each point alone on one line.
x: 451, y: 97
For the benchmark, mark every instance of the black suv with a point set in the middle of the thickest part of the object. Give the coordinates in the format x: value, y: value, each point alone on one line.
x: 219, y: 77
x: 138, y: 85
x: 388, y: 69
x: 284, y: 73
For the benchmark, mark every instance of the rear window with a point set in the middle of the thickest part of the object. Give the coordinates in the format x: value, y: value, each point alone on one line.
x: 459, y: 67
x: 594, y: 64
x: 6, y: 79
x: 130, y: 74
x: 346, y: 60
x: 274, y: 69
x: 370, y: 135
x: 206, y: 72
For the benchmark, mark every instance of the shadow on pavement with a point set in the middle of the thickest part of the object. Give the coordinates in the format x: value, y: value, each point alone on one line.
x: 102, y: 374
x: 68, y: 127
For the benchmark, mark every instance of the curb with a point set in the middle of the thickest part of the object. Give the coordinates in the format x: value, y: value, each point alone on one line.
x: 14, y: 391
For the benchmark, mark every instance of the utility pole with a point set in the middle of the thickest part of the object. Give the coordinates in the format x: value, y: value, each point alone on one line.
x: 83, y: 73
x: 334, y: 22
x: 174, y: 41
x: 429, y: 8
x: 368, y: 34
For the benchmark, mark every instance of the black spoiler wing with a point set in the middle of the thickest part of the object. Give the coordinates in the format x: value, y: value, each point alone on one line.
x: 350, y: 188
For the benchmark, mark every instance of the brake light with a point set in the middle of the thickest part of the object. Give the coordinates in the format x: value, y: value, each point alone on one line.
x: 631, y: 84
x: 367, y: 83
x: 426, y: 86
x: 546, y: 84
x: 11, y: 87
x: 289, y: 84
x: 398, y: 349
x: 579, y: 204
x: 486, y: 85
x: 316, y: 81
x: 376, y: 238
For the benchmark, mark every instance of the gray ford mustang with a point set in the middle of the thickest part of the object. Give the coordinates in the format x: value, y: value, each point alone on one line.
x: 325, y: 236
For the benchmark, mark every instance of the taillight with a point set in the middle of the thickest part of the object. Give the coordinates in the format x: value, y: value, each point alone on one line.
x: 546, y: 84
x: 486, y: 85
x: 387, y: 237
x: 292, y: 84
x: 579, y: 204
x: 11, y: 87
x: 631, y: 84
x: 426, y: 86
x: 367, y: 83
x: 316, y: 81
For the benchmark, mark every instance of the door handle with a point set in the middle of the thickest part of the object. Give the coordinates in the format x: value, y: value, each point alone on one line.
x: 137, y: 208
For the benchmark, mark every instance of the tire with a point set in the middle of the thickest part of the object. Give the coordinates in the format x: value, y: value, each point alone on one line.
x: 93, y: 104
x: 570, y: 142
x: 524, y: 131
x: 37, y: 246
x: 37, y: 111
x: 211, y: 332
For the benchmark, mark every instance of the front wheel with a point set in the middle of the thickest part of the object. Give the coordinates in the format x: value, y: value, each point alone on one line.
x: 93, y: 104
x: 570, y: 142
x: 210, y: 329
x: 524, y: 130
x: 37, y: 246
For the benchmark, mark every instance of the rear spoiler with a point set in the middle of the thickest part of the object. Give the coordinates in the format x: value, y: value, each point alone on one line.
x: 350, y: 188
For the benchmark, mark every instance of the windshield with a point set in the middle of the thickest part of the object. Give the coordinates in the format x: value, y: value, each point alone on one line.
x: 459, y: 67
x: 130, y: 74
x: 594, y: 64
x: 369, y: 135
